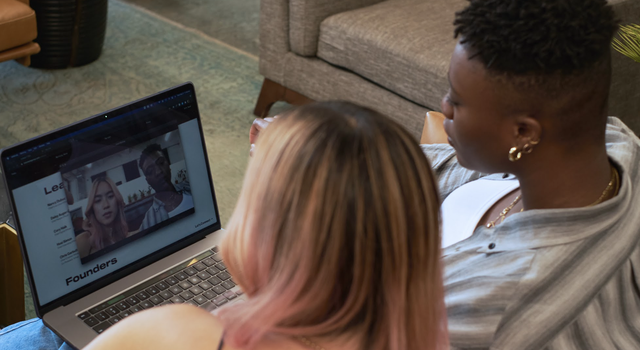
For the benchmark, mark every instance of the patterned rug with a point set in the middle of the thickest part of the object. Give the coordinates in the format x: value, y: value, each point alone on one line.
x: 142, y: 54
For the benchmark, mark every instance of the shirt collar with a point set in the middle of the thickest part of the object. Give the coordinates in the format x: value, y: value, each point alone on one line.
x: 540, y: 228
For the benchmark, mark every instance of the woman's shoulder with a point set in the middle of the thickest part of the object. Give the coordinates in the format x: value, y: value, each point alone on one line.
x: 83, y: 243
x: 173, y: 327
x: 167, y: 327
x: 84, y: 235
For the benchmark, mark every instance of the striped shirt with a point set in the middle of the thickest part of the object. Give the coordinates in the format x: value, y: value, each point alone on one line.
x: 552, y: 279
x: 156, y: 212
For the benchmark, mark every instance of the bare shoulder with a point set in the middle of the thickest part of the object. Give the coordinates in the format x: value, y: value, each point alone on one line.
x: 83, y: 237
x: 176, y: 327
x: 167, y: 327
x: 83, y: 243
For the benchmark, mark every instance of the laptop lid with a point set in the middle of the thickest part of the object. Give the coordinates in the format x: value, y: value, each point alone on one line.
x: 106, y: 196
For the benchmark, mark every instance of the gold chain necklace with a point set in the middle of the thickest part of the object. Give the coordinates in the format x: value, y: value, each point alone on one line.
x: 503, y: 213
x: 306, y: 341
x: 614, y: 184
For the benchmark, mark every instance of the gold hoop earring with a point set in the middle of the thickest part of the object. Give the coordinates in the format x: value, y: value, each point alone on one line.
x: 514, y: 154
x: 528, y: 147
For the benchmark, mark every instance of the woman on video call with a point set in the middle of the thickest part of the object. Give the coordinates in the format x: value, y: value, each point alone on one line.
x: 104, y: 222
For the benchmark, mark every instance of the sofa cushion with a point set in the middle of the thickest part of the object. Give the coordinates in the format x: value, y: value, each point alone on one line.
x: 402, y: 45
x: 17, y: 24
x: 305, y: 17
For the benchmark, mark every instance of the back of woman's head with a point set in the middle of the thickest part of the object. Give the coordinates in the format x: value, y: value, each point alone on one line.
x: 336, y: 232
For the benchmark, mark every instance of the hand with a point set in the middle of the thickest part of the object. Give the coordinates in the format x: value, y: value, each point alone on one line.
x: 258, y: 125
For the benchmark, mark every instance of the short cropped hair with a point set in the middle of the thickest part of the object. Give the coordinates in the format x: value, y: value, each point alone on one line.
x: 148, y: 151
x: 520, y: 37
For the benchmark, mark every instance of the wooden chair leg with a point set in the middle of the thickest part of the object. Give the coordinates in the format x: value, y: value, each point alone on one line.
x: 270, y: 93
x: 273, y: 92
x: 25, y: 61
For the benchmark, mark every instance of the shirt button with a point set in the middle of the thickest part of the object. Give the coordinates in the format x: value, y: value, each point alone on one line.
x: 492, y: 245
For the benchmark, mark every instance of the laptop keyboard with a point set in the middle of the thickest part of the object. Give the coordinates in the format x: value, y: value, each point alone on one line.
x: 202, y: 281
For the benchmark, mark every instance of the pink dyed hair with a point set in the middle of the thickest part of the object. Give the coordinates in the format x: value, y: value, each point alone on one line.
x: 336, y: 232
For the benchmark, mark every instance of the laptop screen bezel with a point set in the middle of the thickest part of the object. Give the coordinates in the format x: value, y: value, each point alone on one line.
x: 72, y: 296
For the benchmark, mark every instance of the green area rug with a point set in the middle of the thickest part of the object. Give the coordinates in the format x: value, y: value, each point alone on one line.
x: 142, y: 54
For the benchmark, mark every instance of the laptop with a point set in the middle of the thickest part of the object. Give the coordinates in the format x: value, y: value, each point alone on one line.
x: 116, y: 214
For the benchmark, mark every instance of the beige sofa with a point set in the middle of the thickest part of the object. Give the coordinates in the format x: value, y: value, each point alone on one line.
x: 390, y: 55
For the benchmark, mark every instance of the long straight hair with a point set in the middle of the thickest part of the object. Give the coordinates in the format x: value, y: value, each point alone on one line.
x: 99, y: 237
x: 336, y: 232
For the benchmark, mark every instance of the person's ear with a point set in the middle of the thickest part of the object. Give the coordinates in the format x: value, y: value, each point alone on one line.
x: 526, y: 130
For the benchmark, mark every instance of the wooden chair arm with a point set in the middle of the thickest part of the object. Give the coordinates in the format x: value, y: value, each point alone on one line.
x: 11, y: 277
x: 433, y: 130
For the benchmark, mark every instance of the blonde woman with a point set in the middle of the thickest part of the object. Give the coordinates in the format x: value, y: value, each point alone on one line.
x: 104, y: 222
x: 336, y: 247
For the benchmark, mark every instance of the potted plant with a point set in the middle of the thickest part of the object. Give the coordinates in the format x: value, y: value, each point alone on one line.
x: 142, y: 194
x: 629, y: 43
x: 181, y: 176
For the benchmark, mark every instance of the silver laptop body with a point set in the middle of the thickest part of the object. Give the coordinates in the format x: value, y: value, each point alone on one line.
x: 95, y: 254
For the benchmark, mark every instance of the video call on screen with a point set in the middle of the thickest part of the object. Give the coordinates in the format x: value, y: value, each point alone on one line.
x: 93, y: 200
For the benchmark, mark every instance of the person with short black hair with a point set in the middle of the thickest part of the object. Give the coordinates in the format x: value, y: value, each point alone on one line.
x: 552, y: 256
x: 552, y: 253
x: 169, y: 199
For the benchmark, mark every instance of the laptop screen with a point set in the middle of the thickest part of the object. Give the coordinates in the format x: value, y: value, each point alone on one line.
x: 103, y: 193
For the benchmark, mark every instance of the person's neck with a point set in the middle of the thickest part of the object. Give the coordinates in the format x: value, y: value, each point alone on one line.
x: 167, y: 196
x: 573, y: 181
x: 350, y: 340
x: 108, y: 232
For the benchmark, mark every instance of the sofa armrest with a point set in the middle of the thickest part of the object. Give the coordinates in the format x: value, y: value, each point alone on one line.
x: 433, y: 130
x: 624, y: 97
x: 305, y: 17
x: 274, y: 38
x: 627, y: 11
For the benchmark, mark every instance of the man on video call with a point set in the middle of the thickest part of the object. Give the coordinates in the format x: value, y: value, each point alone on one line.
x: 169, y: 199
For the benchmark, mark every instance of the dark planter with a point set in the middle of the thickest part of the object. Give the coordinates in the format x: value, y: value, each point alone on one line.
x: 70, y: 32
